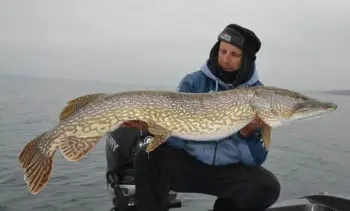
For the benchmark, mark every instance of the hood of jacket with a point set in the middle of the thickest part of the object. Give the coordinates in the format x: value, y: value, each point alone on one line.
x: 244, y: 76
x: 206, y: 71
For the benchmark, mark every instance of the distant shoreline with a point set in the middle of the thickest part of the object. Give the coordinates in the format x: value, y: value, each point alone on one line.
x: 338, y: 92
x: 140, y: 85
x: 135, y: 85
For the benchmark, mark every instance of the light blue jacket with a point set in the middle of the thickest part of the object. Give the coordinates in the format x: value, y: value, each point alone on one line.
x: 232, y: 149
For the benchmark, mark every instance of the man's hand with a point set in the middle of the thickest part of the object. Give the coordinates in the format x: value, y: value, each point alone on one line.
x: 252, y: 126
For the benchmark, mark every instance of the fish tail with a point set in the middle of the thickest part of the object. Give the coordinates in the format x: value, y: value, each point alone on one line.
x: 36, y: 165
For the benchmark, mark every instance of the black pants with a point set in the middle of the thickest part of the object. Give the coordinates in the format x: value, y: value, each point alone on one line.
x: 238, y: 187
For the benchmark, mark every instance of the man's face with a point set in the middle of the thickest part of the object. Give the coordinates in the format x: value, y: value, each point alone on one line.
x: 229, y: 57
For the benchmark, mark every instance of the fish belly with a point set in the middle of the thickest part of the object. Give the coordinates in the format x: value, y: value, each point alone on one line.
x: 220, y: 133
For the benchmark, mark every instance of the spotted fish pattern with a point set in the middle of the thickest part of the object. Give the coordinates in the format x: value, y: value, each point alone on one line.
x: 196, y: 116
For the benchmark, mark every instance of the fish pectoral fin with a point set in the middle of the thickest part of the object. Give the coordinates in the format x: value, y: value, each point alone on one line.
x: 155, y: 142
x: 160, y: 135
x: 156, y: 129
x: 74, y: 105
x: 266, y: 135
x: 75, y: 149
x: 139, y: 124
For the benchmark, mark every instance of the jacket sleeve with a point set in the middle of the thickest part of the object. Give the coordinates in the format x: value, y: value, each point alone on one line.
x: 186, y: 84
x: 256, y: 148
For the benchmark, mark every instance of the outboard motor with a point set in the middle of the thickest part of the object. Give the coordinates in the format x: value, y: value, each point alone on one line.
x: 121, y: 147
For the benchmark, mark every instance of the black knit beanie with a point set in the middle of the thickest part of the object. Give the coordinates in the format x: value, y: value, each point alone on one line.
x: 244, y: 39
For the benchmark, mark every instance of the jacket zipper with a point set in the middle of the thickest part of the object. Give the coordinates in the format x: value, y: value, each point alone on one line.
x: 216, y: 143
x: 216, y: 146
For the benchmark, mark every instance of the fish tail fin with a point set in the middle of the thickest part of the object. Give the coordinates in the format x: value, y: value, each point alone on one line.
x: 36, y: 165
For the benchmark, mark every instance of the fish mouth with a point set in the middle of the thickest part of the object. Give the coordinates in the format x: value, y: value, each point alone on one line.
x: 332, y: 106
x: 312, y: 109
x: 311, y: 105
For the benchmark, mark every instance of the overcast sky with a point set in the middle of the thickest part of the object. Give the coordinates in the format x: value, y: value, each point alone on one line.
x: 305, y: 43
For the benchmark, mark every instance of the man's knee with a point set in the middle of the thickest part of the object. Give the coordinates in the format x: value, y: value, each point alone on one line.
x: 260, y: 192
x: 272, y: 194
x: 268, y: 189
x: 273, y: 187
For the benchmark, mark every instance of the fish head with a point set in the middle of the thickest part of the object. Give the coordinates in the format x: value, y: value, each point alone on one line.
x: 278, y: 107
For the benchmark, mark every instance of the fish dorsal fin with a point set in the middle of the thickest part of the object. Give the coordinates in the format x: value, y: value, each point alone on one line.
x: 74, y: 105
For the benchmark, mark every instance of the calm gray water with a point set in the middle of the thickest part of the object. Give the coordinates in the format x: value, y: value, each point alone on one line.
x: 307, y: 157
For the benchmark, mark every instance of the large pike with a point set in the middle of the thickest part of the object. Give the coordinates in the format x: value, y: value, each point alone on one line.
x: 200, y: 117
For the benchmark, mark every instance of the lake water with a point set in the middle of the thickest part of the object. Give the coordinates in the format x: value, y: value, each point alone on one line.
x: 307, y: 157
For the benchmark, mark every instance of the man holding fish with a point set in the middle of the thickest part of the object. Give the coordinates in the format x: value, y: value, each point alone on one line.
x: 198, y: 141
x: 229, y: 169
